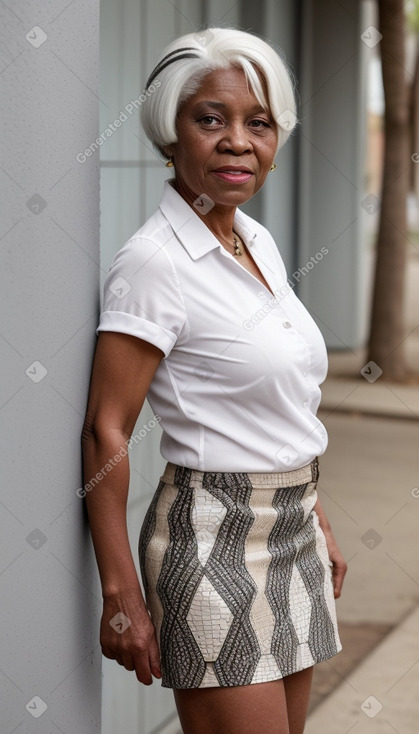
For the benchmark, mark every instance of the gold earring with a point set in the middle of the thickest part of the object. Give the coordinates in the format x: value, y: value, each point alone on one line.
x: 273, y: 167
x: 170, y: 163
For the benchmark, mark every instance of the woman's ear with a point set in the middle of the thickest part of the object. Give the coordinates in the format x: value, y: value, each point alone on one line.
x: 167, y: 151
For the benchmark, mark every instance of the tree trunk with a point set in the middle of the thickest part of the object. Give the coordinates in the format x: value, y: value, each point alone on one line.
x: 386, y: 344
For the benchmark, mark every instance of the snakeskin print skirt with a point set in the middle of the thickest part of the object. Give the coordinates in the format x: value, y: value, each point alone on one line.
x: 237, y: 576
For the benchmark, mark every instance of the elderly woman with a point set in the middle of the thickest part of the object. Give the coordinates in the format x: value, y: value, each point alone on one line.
x: 239, y: 564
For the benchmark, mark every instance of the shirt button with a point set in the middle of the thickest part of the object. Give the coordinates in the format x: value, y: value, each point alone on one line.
x: 306, y: 404
x: 286, y: 324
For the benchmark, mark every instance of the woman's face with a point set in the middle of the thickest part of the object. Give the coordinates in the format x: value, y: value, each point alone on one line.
x: 226, y: 141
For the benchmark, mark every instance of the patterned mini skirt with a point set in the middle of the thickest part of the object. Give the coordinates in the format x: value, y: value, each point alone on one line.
x: 237, y: 576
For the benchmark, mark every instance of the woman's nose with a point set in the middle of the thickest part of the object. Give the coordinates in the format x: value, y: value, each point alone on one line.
x: 235, y: 139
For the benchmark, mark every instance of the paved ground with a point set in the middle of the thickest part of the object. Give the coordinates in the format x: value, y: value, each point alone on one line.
x: 358, y: 640
x: 381, y: 399
x: 381, y: 695
x: 369, y: 484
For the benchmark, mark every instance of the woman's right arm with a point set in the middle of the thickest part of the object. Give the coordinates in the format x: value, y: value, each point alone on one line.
x: 123, y: 369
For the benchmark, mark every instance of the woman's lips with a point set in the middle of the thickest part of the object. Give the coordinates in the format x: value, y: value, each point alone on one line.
x: 237, y: 177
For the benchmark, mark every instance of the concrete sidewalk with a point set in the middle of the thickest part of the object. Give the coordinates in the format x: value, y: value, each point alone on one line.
x: 369, y: 486
x: 381, y: 694
x: 383, y: 399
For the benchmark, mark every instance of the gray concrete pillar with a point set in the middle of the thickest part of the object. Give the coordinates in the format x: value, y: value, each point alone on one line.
x: 49, y: 239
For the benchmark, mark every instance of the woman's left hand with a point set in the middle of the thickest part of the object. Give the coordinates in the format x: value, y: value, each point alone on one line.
x: 339, y: 566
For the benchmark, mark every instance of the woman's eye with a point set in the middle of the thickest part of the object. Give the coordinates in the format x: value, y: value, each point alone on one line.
x: 208, y: 119
x: 212, y: 121
x: 259, y: 123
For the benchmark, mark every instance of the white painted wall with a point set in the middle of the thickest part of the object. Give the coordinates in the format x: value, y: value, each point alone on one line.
x: 49, y: 236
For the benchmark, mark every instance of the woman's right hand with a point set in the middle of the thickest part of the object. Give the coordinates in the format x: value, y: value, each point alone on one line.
x: 123, y: 369
x: 127, y: 635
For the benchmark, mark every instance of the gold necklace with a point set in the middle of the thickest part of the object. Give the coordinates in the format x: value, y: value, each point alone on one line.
x: 237, y: 250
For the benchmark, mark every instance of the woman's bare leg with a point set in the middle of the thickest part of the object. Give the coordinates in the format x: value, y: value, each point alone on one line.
x: 252, y: 709
x: 297, y: 693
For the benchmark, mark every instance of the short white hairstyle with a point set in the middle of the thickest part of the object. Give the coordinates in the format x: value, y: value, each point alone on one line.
x: 187, y: 60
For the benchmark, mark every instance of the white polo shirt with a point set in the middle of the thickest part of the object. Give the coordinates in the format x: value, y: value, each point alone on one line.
x: 238, y: 387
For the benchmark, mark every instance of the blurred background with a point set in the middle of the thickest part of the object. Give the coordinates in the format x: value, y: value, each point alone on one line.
x: 75, y: 163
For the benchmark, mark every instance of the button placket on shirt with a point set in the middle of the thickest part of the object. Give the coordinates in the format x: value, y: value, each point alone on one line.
x: 265, y: 295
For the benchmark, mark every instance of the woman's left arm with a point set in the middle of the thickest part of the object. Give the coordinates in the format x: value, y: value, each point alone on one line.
x: 336, y: 557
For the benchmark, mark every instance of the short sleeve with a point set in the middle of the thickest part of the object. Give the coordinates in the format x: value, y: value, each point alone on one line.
x: 142, y: 296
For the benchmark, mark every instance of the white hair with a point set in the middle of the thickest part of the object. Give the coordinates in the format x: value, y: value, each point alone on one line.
x: 184, y: 63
